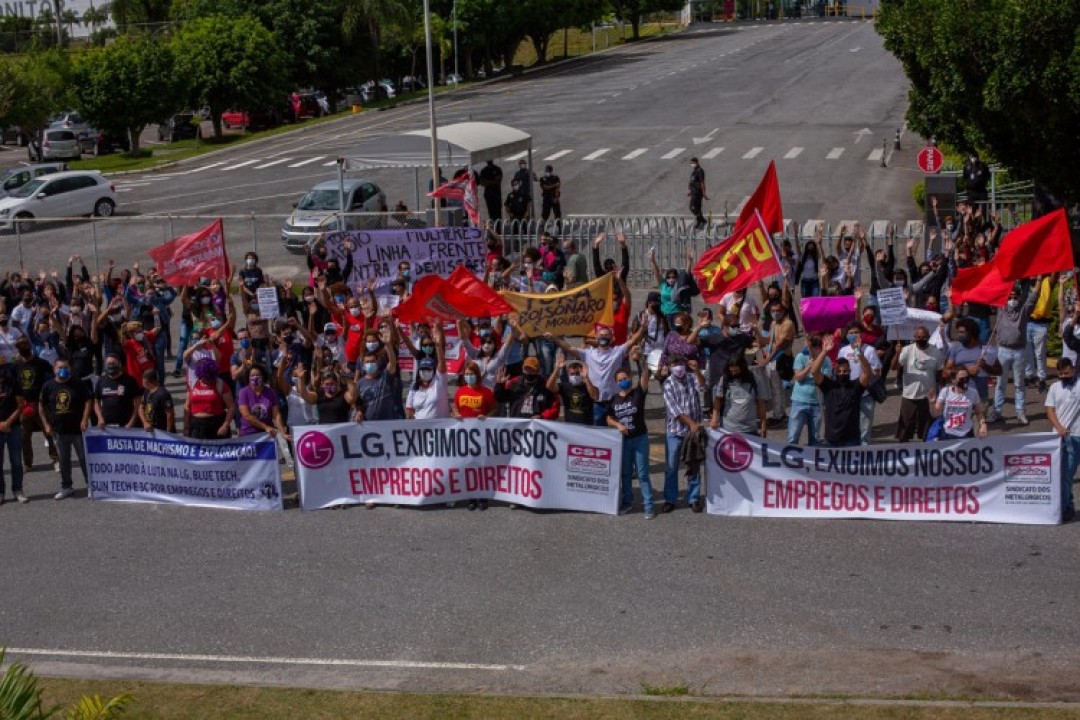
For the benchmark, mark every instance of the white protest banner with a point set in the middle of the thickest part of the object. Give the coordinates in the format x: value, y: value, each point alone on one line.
x: 535, y: 463
x: 377, y: 253
x: 139, y: 466
x: 1004, y: 479
x: 268, y: 303
x: 892, y: 306
x: 915, y: 318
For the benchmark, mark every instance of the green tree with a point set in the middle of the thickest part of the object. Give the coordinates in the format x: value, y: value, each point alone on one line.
x: 229, y: 62
x: 140, y: 12
x: 126, y: 85
x: 632, y: 11
x: 371, y: 17
x: 995, y: 75
x: 41, y: 86
x: 542, y: 18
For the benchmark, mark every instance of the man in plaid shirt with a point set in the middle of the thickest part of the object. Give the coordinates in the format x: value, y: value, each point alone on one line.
x: 682, y: 398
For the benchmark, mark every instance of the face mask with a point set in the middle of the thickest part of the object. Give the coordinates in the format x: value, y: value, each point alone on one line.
x: 339, y: 299
x: 250, y: 262
x: 371, y: 368
x: 205, y: 300
x: 406, y: 273
x: 625, y: 384
x: 26, y: 302
x: 1068, y: 382
x: 922, y: 342
x: 900, y: 283
x: 680, y: 328
x: 470, y: 379
x: 1013, y: 304
x: 140, y: 336
x: 426, y: 375
x: 141, y: 287
x: 843, y: 379
x: 488, y: 347
x: 530, y: 378
x: 255, y: 381
x: 678, y: 371
x: 575, y: 380
x: 962, y: 384
x: 670, y: 282
x: 852, y: 338
x: 603, y: 341
x: 962, y: 338
x: 287, y: 338
x: 371, y: 346
x: 528, y: 267
x: 245, y: 343
x: 215, y: 324
x: 329, y: 389
x: 330, y: 338
x: 112, y: 370
x: 63, y: 373
x: 777, y: 316
x: 485, y: 331
x: 428, y: 349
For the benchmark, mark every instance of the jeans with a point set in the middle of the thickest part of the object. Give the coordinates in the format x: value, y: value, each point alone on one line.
x: 1070, y: 460
x: 673, y: 445
x: 11, y: 441
x: 64, y: 443
x: 984, y: 329
x: 161, y: 348
x: 185, y: 337
x: 809, y: 287
x: 1012, y: 360
x: 802, y: 415
x: 599, y: 412
x: 1035, y: 353
x: 866, y: 418
x: 635, y: 454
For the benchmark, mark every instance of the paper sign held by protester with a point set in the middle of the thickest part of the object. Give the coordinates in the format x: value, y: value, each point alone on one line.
x: 917, y: 318
x: 738, y: 262
x: 574, y: 312
x: 892, y: 306
x: 268, y: 303
x: 186, y: 259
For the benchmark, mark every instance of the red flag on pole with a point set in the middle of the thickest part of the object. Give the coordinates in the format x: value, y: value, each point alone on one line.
x: 186, y: 259
x: 1035, y: 248
x: 433, y: 297
x: 738, y: 262
x: 981, y: 284
x: 766, y: 200
x: 462, y: 189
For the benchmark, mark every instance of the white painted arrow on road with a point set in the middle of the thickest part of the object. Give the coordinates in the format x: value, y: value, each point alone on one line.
x: 707, y: 138
x: 860, y: 134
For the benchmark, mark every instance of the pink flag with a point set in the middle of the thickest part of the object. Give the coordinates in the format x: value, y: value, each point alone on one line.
x: 825, y: 314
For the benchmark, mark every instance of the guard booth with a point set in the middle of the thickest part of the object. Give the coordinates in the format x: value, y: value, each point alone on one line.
x: 943, y: 187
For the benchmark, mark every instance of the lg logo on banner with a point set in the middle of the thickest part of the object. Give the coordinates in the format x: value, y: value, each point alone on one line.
x: 314, y: 450
x: 733, y: 453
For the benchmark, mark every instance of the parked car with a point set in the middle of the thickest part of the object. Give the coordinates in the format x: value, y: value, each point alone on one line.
x: 14, y: 134
x: 318, y: 211
x: 303, y: 106
x: 58, y: 195
x: 57, y: 145
x: 99, y: 142
x: 181, y: 126
x: 411, y: 83
x: 70, y: 121
x: 14, y: 178
x: 382, y: 90
x: 250, y: 119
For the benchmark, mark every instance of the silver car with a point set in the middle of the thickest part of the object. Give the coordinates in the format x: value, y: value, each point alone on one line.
x: 58, y: 145
x: 58, y: 195
x: 318, y: 212
x: 16, y: 177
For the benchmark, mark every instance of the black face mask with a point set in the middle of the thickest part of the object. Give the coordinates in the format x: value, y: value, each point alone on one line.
x: 921, y: 343
x: 1068, y: 382
x: 530, y: 379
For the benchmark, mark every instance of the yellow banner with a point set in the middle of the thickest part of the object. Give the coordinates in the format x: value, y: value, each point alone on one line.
x: 571, y: 312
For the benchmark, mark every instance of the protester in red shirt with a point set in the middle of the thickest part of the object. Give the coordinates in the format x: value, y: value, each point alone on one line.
x: 138, y: 347
x: 473, y: 399
x: 620, y: 319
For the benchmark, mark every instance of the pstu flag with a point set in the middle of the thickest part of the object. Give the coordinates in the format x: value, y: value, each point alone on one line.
x: 765, y: 200
x: 201, y: 254
x: 462, y: 189
x: 738, y: 262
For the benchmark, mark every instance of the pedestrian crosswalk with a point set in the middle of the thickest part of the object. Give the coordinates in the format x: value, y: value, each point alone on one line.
x: 750, y: 154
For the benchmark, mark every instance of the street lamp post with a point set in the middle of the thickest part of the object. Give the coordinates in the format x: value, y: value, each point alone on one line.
x: 456, y: 74
x: 431, y: 107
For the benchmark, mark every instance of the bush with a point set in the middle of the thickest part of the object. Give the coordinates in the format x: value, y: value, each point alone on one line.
x: 918, y: 194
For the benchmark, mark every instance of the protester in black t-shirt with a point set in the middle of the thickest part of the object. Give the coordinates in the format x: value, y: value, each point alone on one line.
x: 577, y: 392
x: 526, y: 395
x: 116, y: 396
x: 156, y: 410
x: 65, y: 413
x: 11, y: 410
x: 626, y: 413
x: 31, y: 375
x: 841, y: 395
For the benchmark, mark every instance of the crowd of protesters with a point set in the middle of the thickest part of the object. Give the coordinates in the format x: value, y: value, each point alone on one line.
x: 88, y: 350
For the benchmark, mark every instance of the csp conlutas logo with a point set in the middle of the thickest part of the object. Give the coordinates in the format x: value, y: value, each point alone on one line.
x: 588, y: 460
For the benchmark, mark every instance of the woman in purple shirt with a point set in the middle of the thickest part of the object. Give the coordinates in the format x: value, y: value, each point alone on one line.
x: 677, y: 342
x: 259, y: 412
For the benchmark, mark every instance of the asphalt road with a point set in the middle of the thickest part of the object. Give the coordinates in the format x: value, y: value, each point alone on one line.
x: 516, y: 601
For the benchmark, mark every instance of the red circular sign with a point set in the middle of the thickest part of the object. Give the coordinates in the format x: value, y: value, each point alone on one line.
x: 733, y: 454
x: 930, y: 160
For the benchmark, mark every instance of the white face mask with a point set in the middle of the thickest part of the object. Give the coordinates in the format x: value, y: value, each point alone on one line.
x: 1013, y: 304
x: 576, y: 380
x: 354, y: 311
x: 426, y: 375
x: 678, y: 371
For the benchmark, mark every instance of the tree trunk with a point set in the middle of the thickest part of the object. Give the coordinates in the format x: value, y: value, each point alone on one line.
x: 133, y: 141
x: 540, y: 44
x: 215, y: 118
x: 635, y: 26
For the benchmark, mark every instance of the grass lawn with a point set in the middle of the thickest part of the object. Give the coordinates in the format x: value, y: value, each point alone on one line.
x: 224, y: 702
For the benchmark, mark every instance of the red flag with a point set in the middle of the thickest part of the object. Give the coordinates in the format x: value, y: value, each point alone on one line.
x: 738, y: 262
x: 186, y: 259
x: 435, y: 298
x: 1035, y: 248
x: 981, y: 284
x: 766, y: 200
x: 472, y: 287
x: 462, y: 189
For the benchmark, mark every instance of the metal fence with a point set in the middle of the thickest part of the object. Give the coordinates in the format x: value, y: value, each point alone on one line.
x: 47, y: 244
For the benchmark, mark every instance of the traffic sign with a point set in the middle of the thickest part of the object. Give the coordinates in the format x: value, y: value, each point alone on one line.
x: 930, y: 160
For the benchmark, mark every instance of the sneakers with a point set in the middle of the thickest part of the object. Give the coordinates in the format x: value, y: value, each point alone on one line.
x: 21, y: 497
x: 624, y: 509
x: 992, y: 416
x: 64, y: 493
x: 649, y: 514
x: 483, y: 505
x: 472, y: 505
x: 56, y: 466
x: 1022, y: 419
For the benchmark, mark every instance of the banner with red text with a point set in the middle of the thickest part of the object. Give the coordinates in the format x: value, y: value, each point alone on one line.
x: 186, y: 259
x: 534, y: 463
x: 1003, y: 479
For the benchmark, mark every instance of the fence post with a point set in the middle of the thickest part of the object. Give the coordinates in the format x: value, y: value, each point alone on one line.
x: 171, y: 234
x: 18, y: 241
x: 93, y: 233
x: 254, y: 236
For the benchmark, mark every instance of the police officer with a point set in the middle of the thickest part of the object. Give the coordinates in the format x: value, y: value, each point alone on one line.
x: 696, y: 192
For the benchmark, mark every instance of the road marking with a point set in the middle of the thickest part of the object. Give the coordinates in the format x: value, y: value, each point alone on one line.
x: 635, y: 153
x: 752, y: 153
x: 673, y: 154
x: 205, y: 167
x: 332, y: 162
x: 742, y: 204
x: 596, y: 153
x: 875, y: 155
x: 272, y: 163
x: 835, y: 153
x: 240, y: 165
x: 512, y: 158
x: 793, y: 153
x: 251, y: 659
x: 556, y: 156
x: 302, y: 163
x: 712, y: 153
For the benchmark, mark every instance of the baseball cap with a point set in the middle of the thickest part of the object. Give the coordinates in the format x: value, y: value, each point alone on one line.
x: 531, y: 363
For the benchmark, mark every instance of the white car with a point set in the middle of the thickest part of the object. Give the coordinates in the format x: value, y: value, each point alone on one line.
x: 59, y: 144
x: 58, y: 195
